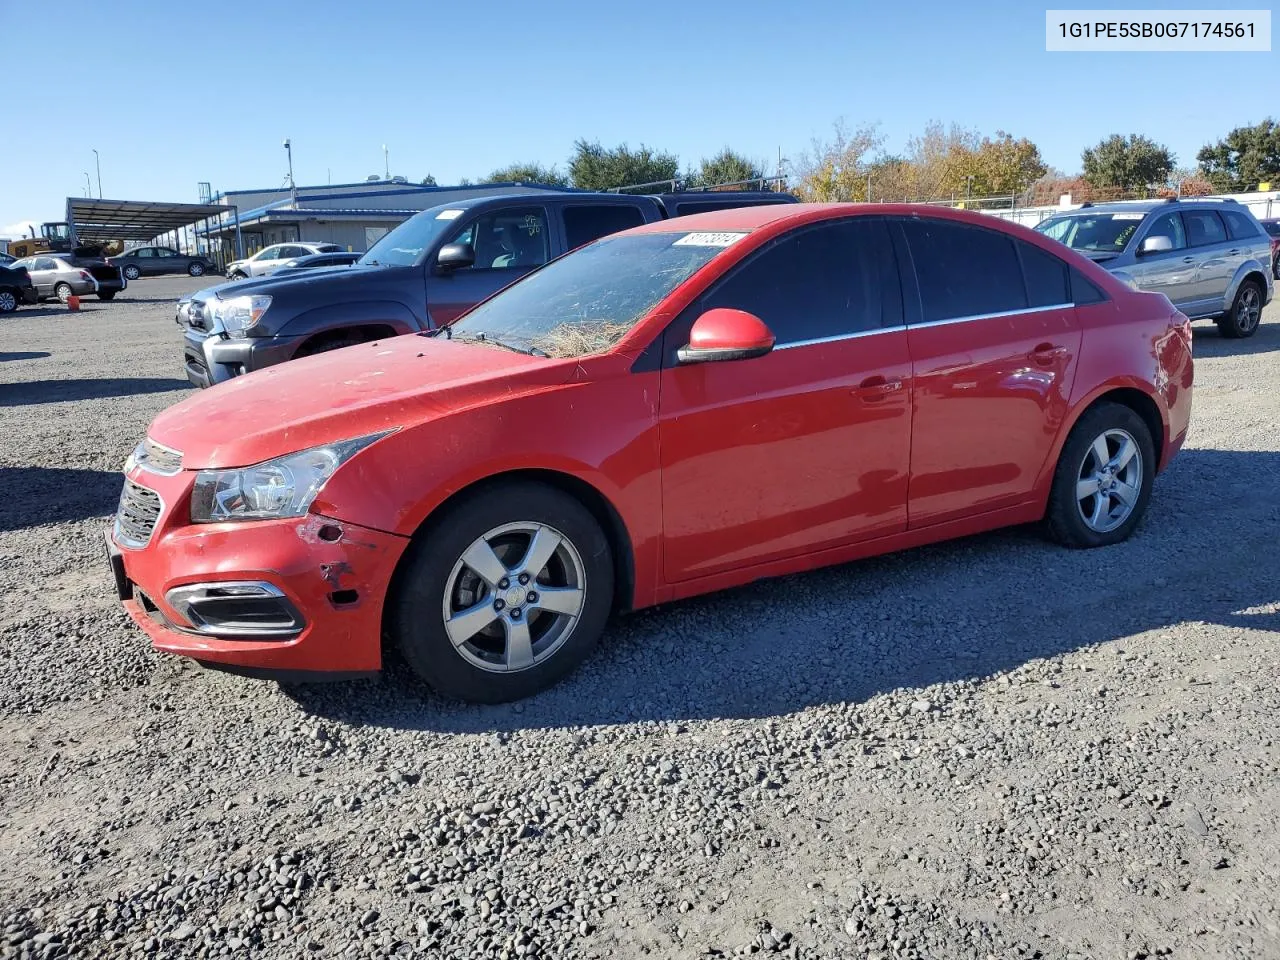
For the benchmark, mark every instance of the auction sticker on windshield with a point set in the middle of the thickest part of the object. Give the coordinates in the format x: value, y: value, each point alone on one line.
x: 708, y: 239
x: 449, y: 214
x: 1127, y: 216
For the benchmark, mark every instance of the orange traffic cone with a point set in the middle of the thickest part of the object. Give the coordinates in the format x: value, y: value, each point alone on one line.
x: 73, y: 302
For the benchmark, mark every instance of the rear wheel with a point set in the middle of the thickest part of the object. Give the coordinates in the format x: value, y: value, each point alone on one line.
x: 1245, y: 314
x: 504, y: 595
x: 62, y: 291
x: 107, y: 294
x: 131, y: 272
x: 196, y: 269
x: 1103, y: 480
x: 8, y: 301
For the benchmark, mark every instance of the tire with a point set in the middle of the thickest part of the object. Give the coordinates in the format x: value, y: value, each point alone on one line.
x: 8, y: 301
x: 62, y: 291
x: 131, y: 272
x: 108, y: 294
x: 1115, y: 425
x: 434, y: 578
x: 1245, y: 314
x: 324, y: 346
x: 196, y: 270
x: 237, y: 275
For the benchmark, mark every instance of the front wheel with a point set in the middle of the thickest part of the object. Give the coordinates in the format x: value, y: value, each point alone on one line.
x: 196, y: 269
x: 1103, y: 480
x: 503, y: 596
x: 8, y: 301
x: 1245, y: 314
x: 132, y: 273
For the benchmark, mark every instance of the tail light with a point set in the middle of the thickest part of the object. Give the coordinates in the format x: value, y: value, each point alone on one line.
x: 85, y: 275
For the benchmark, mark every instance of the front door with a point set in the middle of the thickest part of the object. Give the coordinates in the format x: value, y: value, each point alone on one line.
x: 508, y: 242
x: 1171, y: 272
x: 994, y: 357
x: 808, y: 446
x: 43, y: 272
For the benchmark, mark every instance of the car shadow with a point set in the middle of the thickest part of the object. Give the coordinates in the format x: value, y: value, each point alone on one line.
x: 36, y: 496
x: 1208, y: 342
x: 956, y: 612
x: 29, y: 392
x: 24, y: 355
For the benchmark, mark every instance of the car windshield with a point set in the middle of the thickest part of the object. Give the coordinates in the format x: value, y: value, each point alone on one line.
x: 1096, y: 232
x: 1272, y: 227
x: 406, y: 244
x: 587, y: 301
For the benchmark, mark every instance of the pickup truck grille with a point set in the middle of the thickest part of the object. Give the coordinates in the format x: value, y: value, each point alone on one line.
x: 137, y: 515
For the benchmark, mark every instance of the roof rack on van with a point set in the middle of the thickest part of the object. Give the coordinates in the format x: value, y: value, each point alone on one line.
x: 1209, y: 200
x: 1087, y: 203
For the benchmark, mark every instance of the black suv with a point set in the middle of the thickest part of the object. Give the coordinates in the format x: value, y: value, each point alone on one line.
x: 16, y: 288
x: 425, y: 273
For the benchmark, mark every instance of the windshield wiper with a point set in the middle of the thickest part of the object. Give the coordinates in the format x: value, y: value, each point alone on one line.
x: 481, y: 338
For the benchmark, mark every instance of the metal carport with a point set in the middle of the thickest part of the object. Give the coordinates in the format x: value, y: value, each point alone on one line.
x: 103, y: 220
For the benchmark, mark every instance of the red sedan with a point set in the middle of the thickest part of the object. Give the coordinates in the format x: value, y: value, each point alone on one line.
x: 676, y: 409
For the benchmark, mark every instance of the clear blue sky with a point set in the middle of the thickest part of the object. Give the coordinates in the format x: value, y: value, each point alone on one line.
x: 173, y: 93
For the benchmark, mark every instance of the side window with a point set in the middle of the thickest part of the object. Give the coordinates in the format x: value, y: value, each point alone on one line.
x: 1203, y: 227
x: 268, y: 253
x: 583, y: 223
x: 147, y: 252
x: 513, y: 238
x: 1169, y: 225
x: 829, y: 280
x: 1239, y: 225
x: 1084, y: 291
x: 165, y: 252
x: 964, y: 271
x: 44, y: 263
x: 1045, y: 276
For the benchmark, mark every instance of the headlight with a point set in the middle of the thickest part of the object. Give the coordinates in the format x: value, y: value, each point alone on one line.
x: 238, y: 314
x: 283, y: 487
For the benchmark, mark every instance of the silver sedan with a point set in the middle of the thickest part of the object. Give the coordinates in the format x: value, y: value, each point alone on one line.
x: 57, y: 276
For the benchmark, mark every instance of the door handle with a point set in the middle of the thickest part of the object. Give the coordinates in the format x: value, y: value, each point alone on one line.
x: 1046, y: 353
x: 1188, y: 259
x: 1233, y: 253
x: 874, y: 389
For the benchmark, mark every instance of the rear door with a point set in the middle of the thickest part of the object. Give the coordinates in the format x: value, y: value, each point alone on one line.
x: 808, y: 446
x: 994, y: 341
x: 508, y: 242
x: 584, y: 222
x: 1215, y: 255
x: 167, y: 261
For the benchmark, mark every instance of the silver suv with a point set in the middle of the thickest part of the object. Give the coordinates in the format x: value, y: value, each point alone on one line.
x: 1210, y: 256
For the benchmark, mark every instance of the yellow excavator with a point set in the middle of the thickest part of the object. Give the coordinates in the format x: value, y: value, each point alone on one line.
x: 59, y: 237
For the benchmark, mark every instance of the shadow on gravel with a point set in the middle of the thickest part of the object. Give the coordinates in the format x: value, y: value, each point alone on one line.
x: 24, y: 355
x: 1208, y: 342
x: 60, y: 391
x: 35, y: 496
x: 957, y: 612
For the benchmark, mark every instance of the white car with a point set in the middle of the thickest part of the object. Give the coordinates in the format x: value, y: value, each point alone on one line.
x: 272, y: 258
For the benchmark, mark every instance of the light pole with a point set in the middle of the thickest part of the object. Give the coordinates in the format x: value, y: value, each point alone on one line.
x: 97, y: 165
x: 288, y: 149
x: 386, y: 163
x: 88, y: 185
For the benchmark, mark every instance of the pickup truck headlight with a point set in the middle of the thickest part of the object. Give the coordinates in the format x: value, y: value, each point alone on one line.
x: 239, y: 314
x: 278, y: 488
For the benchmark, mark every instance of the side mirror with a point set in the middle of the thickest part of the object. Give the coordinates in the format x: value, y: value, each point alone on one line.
x: 725, y: 334
x: 1155, y: 245
x: 455, y: 255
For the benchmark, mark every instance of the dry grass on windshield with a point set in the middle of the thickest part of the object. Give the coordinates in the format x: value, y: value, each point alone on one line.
x: 580, y: 338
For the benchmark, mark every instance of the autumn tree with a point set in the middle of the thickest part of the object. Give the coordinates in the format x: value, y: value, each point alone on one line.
x: 725, y: 167
x: 836, y: 169
x: 593, y: 167
x: 1244, y: 158
x: 529, y: 173
x: 1127, y: 163
x: 1003, y: 165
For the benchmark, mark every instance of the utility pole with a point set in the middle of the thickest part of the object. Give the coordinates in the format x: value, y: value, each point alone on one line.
x: 386, y: 163
x: 293, y: 188
x: 98, y: 167
x: 88, y: 185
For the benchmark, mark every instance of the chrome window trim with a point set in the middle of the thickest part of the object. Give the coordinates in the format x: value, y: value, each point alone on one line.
x: 842, y: 336
x: 992, y: 316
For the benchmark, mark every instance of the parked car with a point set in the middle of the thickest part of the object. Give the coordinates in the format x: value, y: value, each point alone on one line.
x: 1209, y: 256
x: 342, y: 258
x: 16, y: 288
x: 272, y: 258
x: 154, y: 261
x: 686, y: 406
x: 5, y: 259
x: 61, y: 275
x: 1272, y: 226
x: 424, y: 273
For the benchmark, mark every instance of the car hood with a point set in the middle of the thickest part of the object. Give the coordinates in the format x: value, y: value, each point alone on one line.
x: 287, y: 282
x: 348, y: 393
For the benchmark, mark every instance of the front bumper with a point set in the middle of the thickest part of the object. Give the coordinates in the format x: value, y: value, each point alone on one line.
x: 337, y: 586
x: 211, y: 358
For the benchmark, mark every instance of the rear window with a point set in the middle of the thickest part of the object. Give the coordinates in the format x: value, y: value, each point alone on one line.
x: 584, y: 223
x: 1084, y: 291
x: 964, y: 271
x: 1204, y: 227
x: 1272, y: 227
x: 1240, y: 226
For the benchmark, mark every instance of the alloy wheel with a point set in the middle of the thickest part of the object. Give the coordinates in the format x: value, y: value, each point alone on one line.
x: 514, y: 597
x: 8, y: 302
x: 1250, y: 311
x: 1109, y: 481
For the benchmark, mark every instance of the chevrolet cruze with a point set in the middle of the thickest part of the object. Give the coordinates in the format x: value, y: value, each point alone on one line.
x: 680, y: 408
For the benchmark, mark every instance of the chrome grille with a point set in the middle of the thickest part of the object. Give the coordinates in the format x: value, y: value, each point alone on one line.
x: 158, y: 458
x: 137, y: 516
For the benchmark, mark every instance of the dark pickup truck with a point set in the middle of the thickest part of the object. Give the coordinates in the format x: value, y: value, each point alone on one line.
x: 423, y: 274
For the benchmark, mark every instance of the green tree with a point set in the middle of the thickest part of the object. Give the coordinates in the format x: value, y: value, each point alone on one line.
x: 429, y: 181
x: 725, y: 167
x: 1003, y: 165
x: 1244, y: 158
x: 1128, y: 163
x: 529, y: 173
x: 593, y: 167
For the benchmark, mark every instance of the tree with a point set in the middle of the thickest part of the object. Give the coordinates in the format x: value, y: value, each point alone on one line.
x: 1244, y: 158
x: 429, y: 181
x: 592, y: 167
x: 1128, y: 163
x: 1004, y: 165
x: 725, y: 167
x: 836, y: 170
x: 529, y: 173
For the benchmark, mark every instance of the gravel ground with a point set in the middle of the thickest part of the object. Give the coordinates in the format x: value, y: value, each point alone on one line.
x: 990, y: 748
